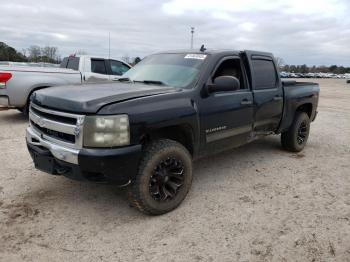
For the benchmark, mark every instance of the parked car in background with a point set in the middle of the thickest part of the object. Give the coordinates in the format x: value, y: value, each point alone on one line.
x: 30, y: 64
x: 95, y: 68
x: 314, y: 75
x: 284, y: 75
x: 17, y: 83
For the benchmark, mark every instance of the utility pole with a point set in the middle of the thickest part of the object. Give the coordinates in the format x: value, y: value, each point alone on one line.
x: 192, y: 32
x: 109, y: 45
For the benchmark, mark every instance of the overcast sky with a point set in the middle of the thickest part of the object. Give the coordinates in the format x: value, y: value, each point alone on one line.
x: 299, y: 31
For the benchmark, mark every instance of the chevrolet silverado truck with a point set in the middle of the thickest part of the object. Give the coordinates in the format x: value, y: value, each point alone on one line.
x: 172, y: 108
x: 17, y: 83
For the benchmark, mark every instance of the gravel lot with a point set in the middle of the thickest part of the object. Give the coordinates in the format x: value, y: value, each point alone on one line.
x: 255, y: 203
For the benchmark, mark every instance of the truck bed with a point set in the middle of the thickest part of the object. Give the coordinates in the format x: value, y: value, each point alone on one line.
x: 25, y: 80
x: 24, y: 69
x: 295, y: 94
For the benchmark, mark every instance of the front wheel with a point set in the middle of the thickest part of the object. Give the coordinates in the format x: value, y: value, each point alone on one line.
x: 164, y: 178
x: 295, y: 138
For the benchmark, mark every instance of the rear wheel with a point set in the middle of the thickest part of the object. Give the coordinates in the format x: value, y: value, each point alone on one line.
x: 25, y: 109
x: 164, y: 178
x: 295, y: 138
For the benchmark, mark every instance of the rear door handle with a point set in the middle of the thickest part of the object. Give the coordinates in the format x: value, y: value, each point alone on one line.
x: 277, y: 98
x: 246, y: 102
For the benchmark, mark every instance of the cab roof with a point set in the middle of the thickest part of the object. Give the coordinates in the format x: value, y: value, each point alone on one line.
x: 215, y: 52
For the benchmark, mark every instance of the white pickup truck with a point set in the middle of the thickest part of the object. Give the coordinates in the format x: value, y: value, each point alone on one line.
x: 17, y: 83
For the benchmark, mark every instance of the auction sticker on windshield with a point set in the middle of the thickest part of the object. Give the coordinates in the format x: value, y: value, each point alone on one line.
x: 195, y: 56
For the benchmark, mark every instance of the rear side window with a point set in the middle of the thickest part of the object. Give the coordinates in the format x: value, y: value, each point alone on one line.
x: 98, y: 66
x: 264, y: 73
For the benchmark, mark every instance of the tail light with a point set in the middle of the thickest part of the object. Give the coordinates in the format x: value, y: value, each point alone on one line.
x: 4, y: 77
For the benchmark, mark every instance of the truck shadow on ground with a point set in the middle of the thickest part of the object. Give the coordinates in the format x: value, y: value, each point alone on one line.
x: 109, y: 203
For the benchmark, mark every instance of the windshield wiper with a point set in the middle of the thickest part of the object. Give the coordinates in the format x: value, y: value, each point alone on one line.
x: 152, y: 82
x: 124, y: 79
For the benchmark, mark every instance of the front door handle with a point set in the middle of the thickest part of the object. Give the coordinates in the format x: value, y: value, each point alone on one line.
x: 246, y: 102
x: 277, y: 98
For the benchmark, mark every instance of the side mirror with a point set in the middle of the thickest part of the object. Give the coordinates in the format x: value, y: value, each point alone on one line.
x: 224, y: 83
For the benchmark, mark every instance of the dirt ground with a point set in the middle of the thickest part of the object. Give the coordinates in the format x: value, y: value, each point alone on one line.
x: 255, y: 203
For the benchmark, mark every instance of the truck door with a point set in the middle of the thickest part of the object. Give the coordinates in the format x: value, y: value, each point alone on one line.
x: 267, y: 91
x: 227, y: 117
x: 96, y: 70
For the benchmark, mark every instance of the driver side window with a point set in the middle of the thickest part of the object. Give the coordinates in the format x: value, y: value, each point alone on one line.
x: 230, y: 67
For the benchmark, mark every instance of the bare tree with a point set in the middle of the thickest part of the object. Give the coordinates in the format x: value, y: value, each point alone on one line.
x: 50, y: 53
x: 34, y: 53
x: 280, y: 62
x: 24, y: 51
x: 126, y: 59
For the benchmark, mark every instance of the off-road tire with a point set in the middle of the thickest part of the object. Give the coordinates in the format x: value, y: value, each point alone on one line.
x: 139, y: 192
x: 291, y: 139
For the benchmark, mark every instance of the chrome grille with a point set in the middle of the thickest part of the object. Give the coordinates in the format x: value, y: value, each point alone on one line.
x: 58, y: 127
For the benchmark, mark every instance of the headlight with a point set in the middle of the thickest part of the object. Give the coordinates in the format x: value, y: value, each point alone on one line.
x: 106, y: 131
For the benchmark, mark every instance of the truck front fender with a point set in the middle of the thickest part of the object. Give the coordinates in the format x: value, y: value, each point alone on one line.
x: 159, y: 117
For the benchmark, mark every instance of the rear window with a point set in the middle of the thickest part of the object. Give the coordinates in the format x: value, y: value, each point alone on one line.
x: 70, y: 63
x: 64, y: 63
x: 98, y: 66
x: 264, y: 74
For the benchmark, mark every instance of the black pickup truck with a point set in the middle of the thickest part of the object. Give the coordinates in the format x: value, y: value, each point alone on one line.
x: 145, y: 130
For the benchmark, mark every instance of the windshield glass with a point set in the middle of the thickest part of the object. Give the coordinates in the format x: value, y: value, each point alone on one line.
x: 177, y: 70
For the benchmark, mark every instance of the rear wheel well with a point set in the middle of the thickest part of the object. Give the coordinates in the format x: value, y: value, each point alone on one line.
x: 35, y: 89
x: 25, y: 109
x: 307, y: 108
x: 182, y: 134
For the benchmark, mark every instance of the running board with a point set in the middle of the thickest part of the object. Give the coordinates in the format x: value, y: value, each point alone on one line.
x: 257, y: 135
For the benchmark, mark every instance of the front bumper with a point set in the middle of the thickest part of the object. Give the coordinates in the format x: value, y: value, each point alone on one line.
x: 116, y: 165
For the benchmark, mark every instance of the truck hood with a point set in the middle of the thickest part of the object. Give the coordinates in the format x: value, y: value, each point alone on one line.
x: 89, y: 98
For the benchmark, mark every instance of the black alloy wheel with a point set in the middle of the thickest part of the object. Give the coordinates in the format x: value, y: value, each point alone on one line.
x: 167, y: 179
x: 163, y: 179
x: 302, y: 133
x: 294, y: 139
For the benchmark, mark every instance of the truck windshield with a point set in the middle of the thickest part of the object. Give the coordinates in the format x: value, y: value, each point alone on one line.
x: 177, y: 70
